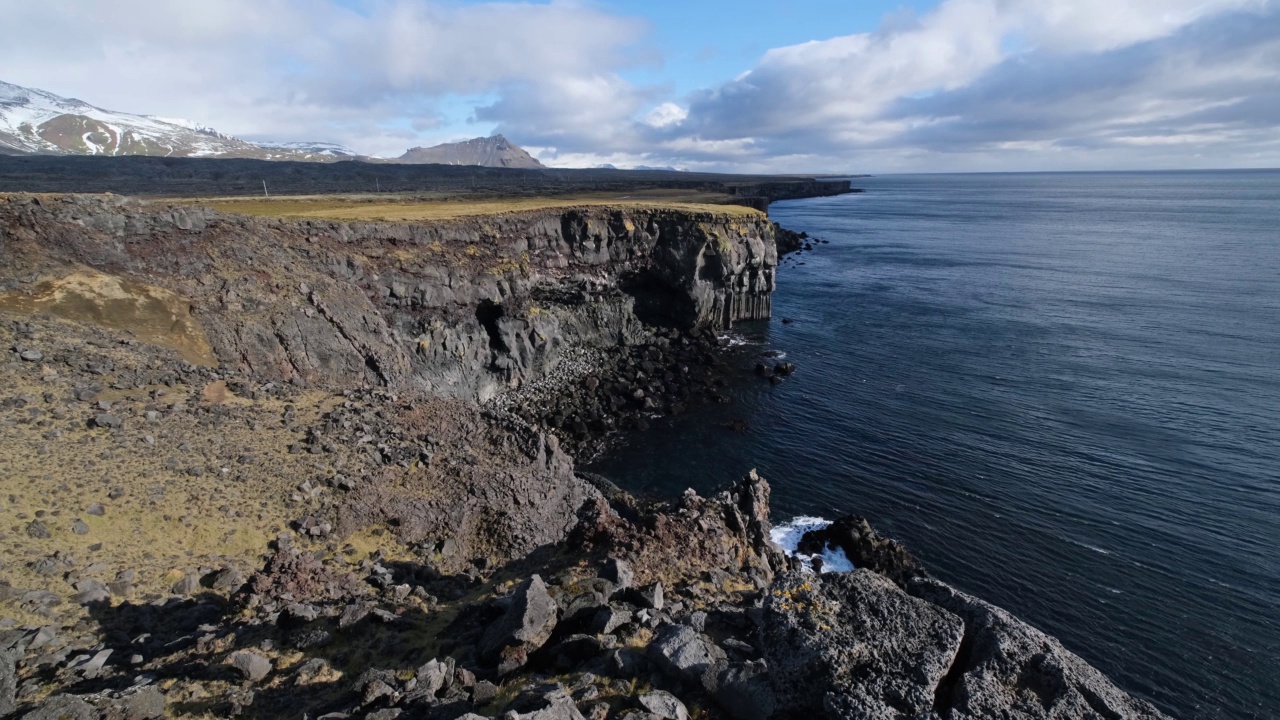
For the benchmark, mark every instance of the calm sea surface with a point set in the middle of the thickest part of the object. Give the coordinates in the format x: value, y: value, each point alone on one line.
x: 1062, y: 391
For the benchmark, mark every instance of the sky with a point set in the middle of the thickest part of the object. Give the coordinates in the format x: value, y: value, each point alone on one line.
x: 851, y: 86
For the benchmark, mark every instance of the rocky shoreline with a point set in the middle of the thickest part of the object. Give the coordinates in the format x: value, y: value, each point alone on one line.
x: 297, y: 469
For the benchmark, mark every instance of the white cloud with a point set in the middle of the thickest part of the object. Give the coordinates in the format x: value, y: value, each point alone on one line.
x: 1028, y: 69
x: 668, y: 113
x: 301, y: 69
x: 1100, y: 25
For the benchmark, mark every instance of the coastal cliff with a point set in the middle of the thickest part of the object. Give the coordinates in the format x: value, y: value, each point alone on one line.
x: 268, y: 467
x: 462, y: 308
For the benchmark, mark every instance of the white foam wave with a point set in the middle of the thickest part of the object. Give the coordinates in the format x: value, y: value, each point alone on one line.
x: 1087, y: 546
x: 788, y: 535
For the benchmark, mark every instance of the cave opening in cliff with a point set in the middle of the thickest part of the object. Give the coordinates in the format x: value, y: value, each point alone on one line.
x: 488, y: 313
x: 657, y: 303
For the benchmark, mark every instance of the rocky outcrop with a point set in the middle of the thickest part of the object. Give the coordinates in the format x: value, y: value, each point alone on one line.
x: 462, y: 308
x: 864, y: 547
x: 856, y: 645
x: 1006, y: 667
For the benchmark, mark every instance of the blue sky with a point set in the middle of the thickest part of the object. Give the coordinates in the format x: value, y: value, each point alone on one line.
x: 817, y: 86
x: 703, y: 43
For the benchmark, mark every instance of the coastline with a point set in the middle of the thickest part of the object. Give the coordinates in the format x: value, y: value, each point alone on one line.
x: 347, y: 360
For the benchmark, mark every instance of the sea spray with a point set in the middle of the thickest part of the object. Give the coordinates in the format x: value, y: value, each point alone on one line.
x: 788, y: 536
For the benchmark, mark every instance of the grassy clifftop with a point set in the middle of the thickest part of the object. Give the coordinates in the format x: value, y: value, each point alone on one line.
x: 382, y: 208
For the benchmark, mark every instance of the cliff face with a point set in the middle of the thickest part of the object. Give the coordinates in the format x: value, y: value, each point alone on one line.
x: 460, y: 308
x: 793, y: 189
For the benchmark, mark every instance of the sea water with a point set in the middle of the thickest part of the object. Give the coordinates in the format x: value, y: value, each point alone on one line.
x: 1061, y: 391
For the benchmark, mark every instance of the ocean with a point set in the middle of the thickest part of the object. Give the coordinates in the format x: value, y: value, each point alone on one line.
x: 1060, y: 391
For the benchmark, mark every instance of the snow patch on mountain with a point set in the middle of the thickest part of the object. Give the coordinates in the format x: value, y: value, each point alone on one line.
x: 36, y: 121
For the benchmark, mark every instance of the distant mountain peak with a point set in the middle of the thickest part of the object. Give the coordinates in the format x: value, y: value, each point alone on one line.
x: 42, y: 123
x: 492, y: 151
x: 39, y: 122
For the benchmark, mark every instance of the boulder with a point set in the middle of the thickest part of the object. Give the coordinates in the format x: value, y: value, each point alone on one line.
x: 432, y: 678
x: 483, y: 693
x: 627, y: 663
x: 228, y: 579
x: 594, y: 595
x: 686, y: 654
x: 554, y: 704
x: 619, y: 573
x: 90, y: 591
x: 855, y: 640
x: 527, y: 623
x: 252, y: 666
x: 664, y: 705
x: 188, y: 585
x: 652, y: 596
x: 1010, y: 669
x: 609, y: 618
x: 744, y: 691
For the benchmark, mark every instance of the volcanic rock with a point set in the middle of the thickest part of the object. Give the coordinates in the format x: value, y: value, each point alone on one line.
x: 252, y: 666
x: 527, y: 623
x: 858, y: 640
x: 686, y: 654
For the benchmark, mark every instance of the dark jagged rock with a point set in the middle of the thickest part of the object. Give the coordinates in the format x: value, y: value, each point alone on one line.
x: 526, y: 625
x: 619, y: 573
x: 748, y: 515
x: 301, y: 576
x: 745, y: 691
x: 865, y: 548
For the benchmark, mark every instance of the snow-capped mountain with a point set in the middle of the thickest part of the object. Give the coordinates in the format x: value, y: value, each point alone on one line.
x: 313, y: 148
x: 35, y: 121
x: 39, y: 122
